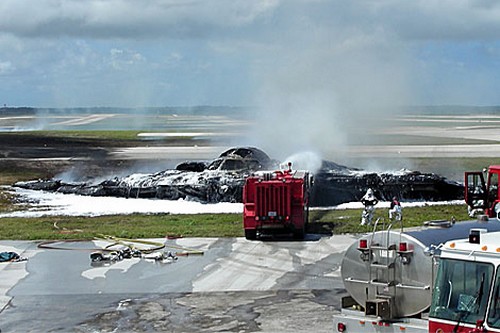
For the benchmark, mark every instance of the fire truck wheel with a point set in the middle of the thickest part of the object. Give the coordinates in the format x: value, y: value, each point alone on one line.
x: 251, y: 234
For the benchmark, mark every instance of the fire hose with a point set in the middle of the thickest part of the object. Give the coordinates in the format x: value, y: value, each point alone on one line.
x: 158, y: 246
x: 129, y: 249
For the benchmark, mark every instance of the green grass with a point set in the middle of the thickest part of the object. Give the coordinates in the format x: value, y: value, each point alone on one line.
x: 348, y: 221
x: 124, y: 226
x: 83, y: 134
x: 10, y: 176
x: 200, y: 225
x: 98, y: 135
x: 115, y: 135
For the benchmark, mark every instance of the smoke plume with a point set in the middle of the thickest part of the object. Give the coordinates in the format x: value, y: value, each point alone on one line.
x: 328, y: 90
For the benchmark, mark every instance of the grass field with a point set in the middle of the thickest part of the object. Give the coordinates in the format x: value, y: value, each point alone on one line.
x: 200, y: 225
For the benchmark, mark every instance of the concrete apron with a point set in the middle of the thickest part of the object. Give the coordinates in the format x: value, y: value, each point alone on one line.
x: 228, y: 265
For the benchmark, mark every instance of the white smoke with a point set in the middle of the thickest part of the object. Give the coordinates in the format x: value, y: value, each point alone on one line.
x: 329, y: 90
x: 307, y: 160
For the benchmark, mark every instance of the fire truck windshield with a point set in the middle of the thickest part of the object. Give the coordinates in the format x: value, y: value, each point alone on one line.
x: 461, y: 290
x: 494, y: 313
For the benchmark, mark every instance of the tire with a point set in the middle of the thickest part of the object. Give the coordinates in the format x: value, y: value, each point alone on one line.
x: 251, y: 234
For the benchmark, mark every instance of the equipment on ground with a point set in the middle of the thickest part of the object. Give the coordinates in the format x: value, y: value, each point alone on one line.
x: 276, y: 201
x: 481, y: 195
x: 391, y: 278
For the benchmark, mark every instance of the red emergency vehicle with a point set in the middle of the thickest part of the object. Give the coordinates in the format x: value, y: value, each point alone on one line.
x: 483, y: 194
x: 276, y: 201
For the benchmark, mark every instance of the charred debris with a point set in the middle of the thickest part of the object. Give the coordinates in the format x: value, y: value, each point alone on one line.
x: 222, y: 181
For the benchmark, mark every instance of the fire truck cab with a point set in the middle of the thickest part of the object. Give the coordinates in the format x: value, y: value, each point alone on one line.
x: 466, y: 294
x: 276, y: 201
x: 483, y: 195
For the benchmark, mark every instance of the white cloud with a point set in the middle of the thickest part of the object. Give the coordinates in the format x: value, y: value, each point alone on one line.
x: 127, y: 18
x: 418, y: 19
x: 121, y: 59
x: 222, y: 51
x: 6, y: 67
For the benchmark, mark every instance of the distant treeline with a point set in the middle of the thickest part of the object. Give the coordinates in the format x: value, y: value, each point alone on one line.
x: 182, y: 110
x: 232, y: 110
x: 451, y: 109
x: 8, y: 111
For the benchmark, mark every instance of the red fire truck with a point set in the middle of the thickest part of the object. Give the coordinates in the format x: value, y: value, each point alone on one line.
x: 418, y: 281
x: 276, y: 201
x: 481, y: 195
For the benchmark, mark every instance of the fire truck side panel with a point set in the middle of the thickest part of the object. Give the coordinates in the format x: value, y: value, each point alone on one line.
x: 447, y: 326
x: 249, y: 204
x: 351, y: 322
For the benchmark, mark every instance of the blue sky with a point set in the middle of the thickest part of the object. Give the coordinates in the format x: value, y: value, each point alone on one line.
x: 285, y: 53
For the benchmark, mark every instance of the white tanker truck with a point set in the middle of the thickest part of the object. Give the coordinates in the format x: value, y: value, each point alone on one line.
x: 420, y: 281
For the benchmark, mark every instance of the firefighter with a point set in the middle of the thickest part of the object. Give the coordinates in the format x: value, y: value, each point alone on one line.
x: 369, y: 200
x: 395, y: 210
x: 477, y: 203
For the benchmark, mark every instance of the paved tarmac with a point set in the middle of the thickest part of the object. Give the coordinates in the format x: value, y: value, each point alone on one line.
x: 234, y: 286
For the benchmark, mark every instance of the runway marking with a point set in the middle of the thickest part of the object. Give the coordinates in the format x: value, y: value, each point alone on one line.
x: 85, y: 120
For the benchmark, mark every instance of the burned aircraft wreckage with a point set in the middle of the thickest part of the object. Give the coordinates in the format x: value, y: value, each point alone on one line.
x: 222, y: 181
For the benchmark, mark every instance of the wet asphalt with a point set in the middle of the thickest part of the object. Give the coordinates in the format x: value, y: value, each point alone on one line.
x: 234, y: 286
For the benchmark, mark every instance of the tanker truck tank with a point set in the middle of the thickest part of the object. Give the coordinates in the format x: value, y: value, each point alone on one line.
x: 390, y: 273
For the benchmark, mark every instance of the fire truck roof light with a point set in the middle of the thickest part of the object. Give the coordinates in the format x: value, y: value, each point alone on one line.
x: 475, y: 235
x: 403, y: 247
x: 363, y: 243
x: 341, y: 327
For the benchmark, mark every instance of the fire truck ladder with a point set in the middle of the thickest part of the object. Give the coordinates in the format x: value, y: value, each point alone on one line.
x: 382, y: 273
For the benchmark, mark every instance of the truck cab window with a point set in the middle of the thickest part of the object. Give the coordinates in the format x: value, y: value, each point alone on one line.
x: 494, y: 313
x: 461, y: 290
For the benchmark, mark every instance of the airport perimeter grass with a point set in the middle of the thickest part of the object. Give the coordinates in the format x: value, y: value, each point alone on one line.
x: 201, y: 225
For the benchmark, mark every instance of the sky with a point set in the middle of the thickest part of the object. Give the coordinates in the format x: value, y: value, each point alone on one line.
x: 285, y: 54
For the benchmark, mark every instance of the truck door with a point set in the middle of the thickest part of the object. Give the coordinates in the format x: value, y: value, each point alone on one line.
x: 475, y: 190
x: 493, y: 195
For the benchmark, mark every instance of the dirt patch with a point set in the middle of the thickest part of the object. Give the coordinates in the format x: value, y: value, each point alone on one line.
x: 49, y: 156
